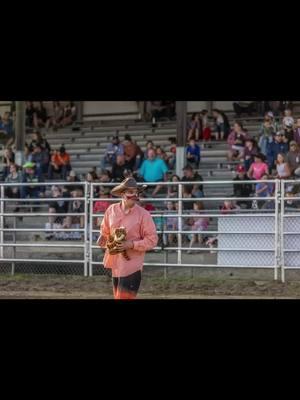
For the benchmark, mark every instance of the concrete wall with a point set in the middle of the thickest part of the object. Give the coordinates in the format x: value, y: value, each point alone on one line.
x: 108, y: 107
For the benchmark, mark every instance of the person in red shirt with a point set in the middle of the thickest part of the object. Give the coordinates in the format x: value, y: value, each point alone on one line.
x: 60, y: 163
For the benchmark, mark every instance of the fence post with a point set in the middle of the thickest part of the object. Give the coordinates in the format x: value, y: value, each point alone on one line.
x: 277, y: 230
x: 179, y: 235
x: 86, y: 236
x: 2, y: 220
x: 282, y: 195
x: 14, y: 249
x: 91, y: 230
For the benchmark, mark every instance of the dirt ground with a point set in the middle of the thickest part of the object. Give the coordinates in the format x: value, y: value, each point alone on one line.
x: 153, y: 287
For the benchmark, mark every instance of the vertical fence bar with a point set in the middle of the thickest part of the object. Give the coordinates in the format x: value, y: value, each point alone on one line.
x: 282, y: 231
x: 179, y: 235
x: 14, y: 249
x: 91, y: 230
x: 86, y: 236
x: 2, y: 220
x: 277, y: 231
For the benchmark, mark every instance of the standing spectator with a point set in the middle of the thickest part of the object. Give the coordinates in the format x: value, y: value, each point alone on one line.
x: 206, y: 130
x: 194, y: 127
x: 198, y: 224
x: 282, y: 167
x: 56, y: 119
x: 258, y: 168
x: 40, y: 157
x: 30, y: 111
x: 193, y: 153
x: 250, y: 150
x: 118, y: 169
x: 267, y: 133
x: 133, y: 153
x: 8, y: 159
x: 114, y: 149
x: 154, y: 170
x: 222, y: 126
x: 60, y: 163
x: 288, y: 131
x: 297, y: 132
x: 191, y: 176
x: 288, y: 119
x: 40, y: 116
x: 242, y: 189
x: 293, y: 159
x: 236, y: 141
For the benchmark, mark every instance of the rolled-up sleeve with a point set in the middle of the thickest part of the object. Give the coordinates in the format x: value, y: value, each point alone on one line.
x: 149, y: 235
x: 104, y: 230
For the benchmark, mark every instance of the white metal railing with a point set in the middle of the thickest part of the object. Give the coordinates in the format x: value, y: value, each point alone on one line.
x: 239, y: 225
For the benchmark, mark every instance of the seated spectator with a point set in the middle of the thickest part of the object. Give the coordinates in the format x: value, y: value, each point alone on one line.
x: 288, y: 119
x: 75, y: 221
x: 171, y: 153
x: 118, y: 169
x: 242, y: 189
x: 101, y: 206
x: 267, y: 132
x: 40, y: 157
x: 173, y: 189
x: 149, y: 145
x: 60, y: 163
x: 69, y: 115
x: 113, y: 150
x: 236, y: 141
x: 56, y: 207
x: 145, y: 204
x: 191, y: 176
x: 160, y: 153
x: 297, y: 132
x: 72, y: 177
x: 258, y: 168
x: 194, y: 127
x: 293, y: 159
x: 133, y: 153
x: 30, y: 175
x: 222, y: 126
x: 153, y: 170
x: 229, y: 206
x: 187, y: 193
x: 282, y: 167
x: 291, y: 192
x: 30, y: 111
x: 241, y: 107
x: 288, y: 131
x: 198, y: 224
x: 206, y: 130
x: 161, y: 109
x: 14, y: 176
x: 193, y: 154
x: 55, y: 120
x: 6, y: 129
x: 250, y: 150
x: 8, y: 159
x: 263, y: 189
x: 92, y: 177
x: 40, y: 116
x: 104, y: 176
x: 274, y: 147
x: 170, y: 224
x: 38, y: 139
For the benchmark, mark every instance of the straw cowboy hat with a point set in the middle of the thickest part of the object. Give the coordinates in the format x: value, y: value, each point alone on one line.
x: 129, y: 183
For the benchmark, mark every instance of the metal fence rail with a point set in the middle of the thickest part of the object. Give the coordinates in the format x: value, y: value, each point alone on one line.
x: 267, y: 236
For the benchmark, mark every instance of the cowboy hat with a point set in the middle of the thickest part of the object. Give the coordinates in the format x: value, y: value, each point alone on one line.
x: 129, y: 183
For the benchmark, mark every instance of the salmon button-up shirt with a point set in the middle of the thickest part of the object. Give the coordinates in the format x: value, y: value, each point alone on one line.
x: 140, y: 229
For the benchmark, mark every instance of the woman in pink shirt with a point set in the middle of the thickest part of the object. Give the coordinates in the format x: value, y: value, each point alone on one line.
x: 141, y: 236
x: 258, y: 168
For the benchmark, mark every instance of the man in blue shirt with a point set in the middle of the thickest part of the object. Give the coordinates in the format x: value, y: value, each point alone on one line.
x: 114, y: 149
x: 193, y: 153
x: 154, y: 170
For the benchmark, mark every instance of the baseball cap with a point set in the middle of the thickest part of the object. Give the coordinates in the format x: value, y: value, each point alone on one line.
x: 240, y: 168
x: 270, y: 114
x: 288, y: 122
x: 29, y: 164
x: 293, y: 143
x: 72, y: 173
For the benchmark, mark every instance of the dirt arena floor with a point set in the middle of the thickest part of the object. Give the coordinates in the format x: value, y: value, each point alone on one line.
x: 154, y: 286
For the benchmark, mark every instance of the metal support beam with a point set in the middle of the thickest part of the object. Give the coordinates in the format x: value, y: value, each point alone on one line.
x: 20, y: 132
x: 181, y: 118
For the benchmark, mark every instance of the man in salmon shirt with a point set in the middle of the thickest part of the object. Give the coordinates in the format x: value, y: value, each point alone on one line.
x: 141, y: 237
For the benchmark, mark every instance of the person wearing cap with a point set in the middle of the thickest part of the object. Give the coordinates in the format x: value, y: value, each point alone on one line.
x: 274, y: 147
x: 289, y: 130
x: 297, y: 132
x: 287, y: 120
x: 293, y: 158
x: 242, y: 189
x: 141, y: 237
x: 60, y: 163
x: 30, y: 175
x: 113, y: 149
